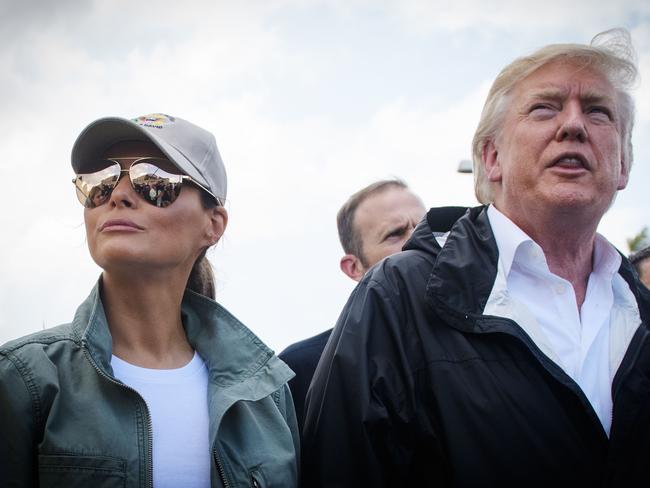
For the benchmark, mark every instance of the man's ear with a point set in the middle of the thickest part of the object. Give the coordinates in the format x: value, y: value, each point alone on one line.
x: 491, y: 162
x: 351, y: 265
x: 623, y: 176
x: 217, y: 224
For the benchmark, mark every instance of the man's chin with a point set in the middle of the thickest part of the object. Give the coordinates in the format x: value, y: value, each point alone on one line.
x: 570, y: 201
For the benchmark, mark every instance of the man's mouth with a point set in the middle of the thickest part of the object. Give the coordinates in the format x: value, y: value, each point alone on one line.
x: 571, y: 161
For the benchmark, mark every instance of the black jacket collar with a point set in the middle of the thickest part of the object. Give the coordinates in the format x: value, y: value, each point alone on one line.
x: 465, y: 268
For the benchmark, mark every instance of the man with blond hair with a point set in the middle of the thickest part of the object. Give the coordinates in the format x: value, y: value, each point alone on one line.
x: 513, y: 350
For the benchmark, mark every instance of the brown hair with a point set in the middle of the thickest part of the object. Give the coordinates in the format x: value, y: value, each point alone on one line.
x: 638, y: 257
x: 201, y: 279
x: 348, y: 234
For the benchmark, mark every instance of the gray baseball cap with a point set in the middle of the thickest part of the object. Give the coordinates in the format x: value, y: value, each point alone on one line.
x: 191, y: 149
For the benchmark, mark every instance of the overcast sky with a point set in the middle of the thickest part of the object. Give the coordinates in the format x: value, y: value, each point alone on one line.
x: 309, y: 101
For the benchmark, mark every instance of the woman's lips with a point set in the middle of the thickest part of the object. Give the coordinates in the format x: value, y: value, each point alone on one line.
x: 120, y: 225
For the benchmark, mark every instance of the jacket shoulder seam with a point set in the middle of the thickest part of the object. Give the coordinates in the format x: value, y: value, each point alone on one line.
x: 30, y: 385
x: 276, y: 398
x: 44, y: 340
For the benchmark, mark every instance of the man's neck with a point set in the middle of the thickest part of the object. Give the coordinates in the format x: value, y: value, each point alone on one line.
x: 567, y: 240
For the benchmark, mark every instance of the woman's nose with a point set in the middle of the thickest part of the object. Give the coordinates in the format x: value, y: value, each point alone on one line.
x: 123, y: 193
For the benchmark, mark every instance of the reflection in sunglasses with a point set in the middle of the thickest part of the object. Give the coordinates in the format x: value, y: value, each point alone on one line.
x: 149, y: 181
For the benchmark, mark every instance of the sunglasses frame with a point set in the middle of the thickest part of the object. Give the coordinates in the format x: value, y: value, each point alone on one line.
x: 140, y: 159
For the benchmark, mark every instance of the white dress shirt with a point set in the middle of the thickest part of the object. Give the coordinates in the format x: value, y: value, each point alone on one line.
x: 587, y: 343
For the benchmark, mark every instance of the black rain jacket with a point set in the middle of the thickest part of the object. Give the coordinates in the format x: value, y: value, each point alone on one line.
x: 417, y: 387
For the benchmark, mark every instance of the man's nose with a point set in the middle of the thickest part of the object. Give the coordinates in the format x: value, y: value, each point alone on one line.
x: 572, y: 124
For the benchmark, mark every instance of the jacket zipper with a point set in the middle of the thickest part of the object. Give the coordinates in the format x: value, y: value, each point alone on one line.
x: 146, y: 409
x: 222, y: 473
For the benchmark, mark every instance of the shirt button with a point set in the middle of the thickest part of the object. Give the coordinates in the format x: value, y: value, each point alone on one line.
x: 560, y: 288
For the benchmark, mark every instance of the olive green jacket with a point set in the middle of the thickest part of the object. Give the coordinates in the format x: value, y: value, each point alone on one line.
x: 65, y: 421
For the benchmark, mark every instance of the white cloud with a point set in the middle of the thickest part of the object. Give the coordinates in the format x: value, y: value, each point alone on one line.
x: 515, y: 16
x: 302, y: 122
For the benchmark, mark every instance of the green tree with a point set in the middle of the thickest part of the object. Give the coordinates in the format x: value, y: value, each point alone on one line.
x: 639, y: 241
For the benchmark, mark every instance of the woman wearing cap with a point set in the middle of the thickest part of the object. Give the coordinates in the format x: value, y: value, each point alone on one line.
x: 152, y: 383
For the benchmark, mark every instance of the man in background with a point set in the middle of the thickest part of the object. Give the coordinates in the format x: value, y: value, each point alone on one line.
x: 372, y: 224
x: 641, y: 261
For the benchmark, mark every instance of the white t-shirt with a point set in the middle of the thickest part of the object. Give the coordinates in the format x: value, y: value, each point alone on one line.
x: 178, y: 405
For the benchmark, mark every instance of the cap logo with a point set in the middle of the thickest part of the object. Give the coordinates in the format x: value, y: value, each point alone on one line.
x: 156, y: 121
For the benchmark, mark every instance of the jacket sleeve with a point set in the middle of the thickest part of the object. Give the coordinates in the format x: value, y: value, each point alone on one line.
x: 285, y: 403
x: 360, y: 404
x: 17, y: 425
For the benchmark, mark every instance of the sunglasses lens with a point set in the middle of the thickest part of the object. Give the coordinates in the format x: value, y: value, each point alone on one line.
x: 94, y: 189
x: 154, y: 184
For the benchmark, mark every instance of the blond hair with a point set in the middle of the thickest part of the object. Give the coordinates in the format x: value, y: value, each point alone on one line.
x: 609, y: 53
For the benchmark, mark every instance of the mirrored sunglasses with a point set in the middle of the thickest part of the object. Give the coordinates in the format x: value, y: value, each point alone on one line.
x: 153, y: 184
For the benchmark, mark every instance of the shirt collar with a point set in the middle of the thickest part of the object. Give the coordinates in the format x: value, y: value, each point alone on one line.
x: 509, y: 237
x: 606, y: 260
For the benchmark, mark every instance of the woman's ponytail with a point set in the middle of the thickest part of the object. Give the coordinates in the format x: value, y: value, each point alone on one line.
x: 201, y: 278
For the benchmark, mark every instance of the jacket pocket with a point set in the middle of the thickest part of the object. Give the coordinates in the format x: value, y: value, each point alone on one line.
x: 75, y: 471
x: 256, y: 479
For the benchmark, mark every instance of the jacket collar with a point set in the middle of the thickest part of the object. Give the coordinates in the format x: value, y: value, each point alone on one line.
x: 237, y: 360
x: 465, y: 269
x: 641, y: 293
x: 235, y: 357
x: 437, y: 223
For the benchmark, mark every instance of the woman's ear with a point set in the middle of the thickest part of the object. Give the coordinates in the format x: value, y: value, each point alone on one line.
x: 217, y: 224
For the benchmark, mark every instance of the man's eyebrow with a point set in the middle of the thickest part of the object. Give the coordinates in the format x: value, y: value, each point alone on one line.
x: 394, y: 228
x: 547, y: 93
x: 557, y: 93
x: 596, y: 97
